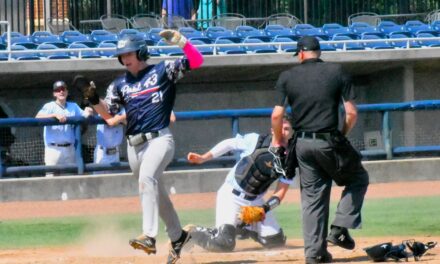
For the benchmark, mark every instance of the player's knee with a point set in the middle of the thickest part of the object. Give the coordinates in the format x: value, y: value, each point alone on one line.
x: 276, y: 240
x: 147, y: 185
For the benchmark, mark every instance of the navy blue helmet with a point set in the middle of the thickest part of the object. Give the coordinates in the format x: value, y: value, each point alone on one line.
x: 130, y: 43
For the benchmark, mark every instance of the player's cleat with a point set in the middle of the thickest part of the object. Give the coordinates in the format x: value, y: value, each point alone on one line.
x: 339, y: 236
x: 244, y: 233
x: 326, y: 258
x: 176, y: 247
x: 145, y: 243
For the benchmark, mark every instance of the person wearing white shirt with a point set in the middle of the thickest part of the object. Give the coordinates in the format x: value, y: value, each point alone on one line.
x: 59, y: 140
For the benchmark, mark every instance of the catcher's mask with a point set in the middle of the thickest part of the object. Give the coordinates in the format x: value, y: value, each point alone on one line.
x: 418, y: 248
x: 130, y: 43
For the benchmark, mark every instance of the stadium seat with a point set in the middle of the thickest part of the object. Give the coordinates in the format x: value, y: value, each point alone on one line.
x: 244, y: 32
x: 290, y: 45
x: 173, y: 51
x: 283, y: 19
x: 107, y: 53
x: 229, y: 49
x: 387, y: 27
x: 402, y: 43
x: 39, y: 37
x: 345, y: 43
x: 203, y: 50
x: 17, y: 55
x: 86, y: 54
x: 229, y: 21
x: 334, y: 28
x: 361, y: 27
x: 382, y: 44
x: 71, y: 36
x: 14, y: 34
x: 60, y: 45
x: 436, y: 26
x: 326, y: 46
x: 24, y: 42
x: 54, y: 54
x: 154, y: 34
x: 308, y: 30
x: 215, y: 32
x: 145, y: 22
x: 101, y: 35
x: 415, y: 26
x: 264, y: 48
x: 3, y: 57
x: 190, y: 32
x: 277, y: 30
x: 428, y: 42
x: 114, y: 23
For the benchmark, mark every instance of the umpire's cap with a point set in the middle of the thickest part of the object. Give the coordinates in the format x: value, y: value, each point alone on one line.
x: 130, y: 43
x: 307, y: 43
x: 59, y: 84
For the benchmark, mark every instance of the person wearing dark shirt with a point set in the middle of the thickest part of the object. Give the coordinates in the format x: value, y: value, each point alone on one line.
x: 314, y: 90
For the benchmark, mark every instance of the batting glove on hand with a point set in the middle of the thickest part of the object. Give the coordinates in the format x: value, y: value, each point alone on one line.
x: 87, y: 88
x: 173, y: 37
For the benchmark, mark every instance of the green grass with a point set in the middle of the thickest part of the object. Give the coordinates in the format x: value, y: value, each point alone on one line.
x: 382, y: 217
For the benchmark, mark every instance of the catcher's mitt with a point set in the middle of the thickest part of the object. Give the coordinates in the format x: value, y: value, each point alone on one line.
x: 87, y: 88
x: 251, y: 214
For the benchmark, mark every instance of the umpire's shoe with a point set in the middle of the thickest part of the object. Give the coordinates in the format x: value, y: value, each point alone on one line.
x: 326, y: 258
x: 176, y: 247
x: 145, y: 243
x: 340, y: 237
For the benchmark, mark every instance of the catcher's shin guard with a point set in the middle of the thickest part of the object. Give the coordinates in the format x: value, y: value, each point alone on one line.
x: 215, y: 240
x: 276, y: 240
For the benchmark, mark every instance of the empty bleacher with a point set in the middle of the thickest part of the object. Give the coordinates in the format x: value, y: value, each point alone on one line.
x: 360, y: 34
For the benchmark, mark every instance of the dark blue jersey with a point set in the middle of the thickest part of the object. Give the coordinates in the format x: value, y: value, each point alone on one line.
x: 148, y: 99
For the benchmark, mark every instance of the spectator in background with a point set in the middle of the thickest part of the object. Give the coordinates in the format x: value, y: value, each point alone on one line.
x: 181, y: 8
x: 108, y: 138
x: 59, y: 140
x: 206, y: 9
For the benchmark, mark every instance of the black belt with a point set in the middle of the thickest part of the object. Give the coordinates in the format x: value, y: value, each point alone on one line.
x: 151, y: 135
x: 243, y: 195
x: 60, y: 145
x: 314, y: 135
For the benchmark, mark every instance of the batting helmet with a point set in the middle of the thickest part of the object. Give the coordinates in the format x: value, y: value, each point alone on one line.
x: 130, y: 43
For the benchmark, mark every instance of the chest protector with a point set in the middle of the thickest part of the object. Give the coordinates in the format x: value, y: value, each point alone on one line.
x: 254, y: 172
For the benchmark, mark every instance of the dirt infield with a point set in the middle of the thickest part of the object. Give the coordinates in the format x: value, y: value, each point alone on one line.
x: 111, y: 247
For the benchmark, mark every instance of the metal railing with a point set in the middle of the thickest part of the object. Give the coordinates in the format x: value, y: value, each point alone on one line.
x: 234, y: 114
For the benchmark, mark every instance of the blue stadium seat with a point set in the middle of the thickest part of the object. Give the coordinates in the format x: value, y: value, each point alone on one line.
x: 349, y: 45
x: 14, y: 34
x: 202, y: 39
x: 203, y: 50
x: 190, y: 32
x: 382, y: 44
x: 54, y: 54
x: 290, y: 45
x: 277, y: 30
x: 39, y: 37
x: 86, y: 54
x: 154, y: 34
x: 309, y: 30
x: 387, y: 27
x: 326, y: 46
x: 2, y: 46
x: 25, y: 43
x: 230, y: 49
x: 362, y: 27
x: 402, y: 43
x: 214, y: 33
x: 101, y: 35
x: 71, y: 36
x: 415, y: 26
x: 60, y: 45
x: 174, y: 51
x: 428, y: 42
x: 264, y: 48
x: 435, y: 25
x: 3, y: 57
x: 244, y: 32
x: 23, y: 55
x: 334, y: 28
x: 107, y: 53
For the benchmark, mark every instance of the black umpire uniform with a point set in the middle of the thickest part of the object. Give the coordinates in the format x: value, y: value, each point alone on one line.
x: 315, y: 90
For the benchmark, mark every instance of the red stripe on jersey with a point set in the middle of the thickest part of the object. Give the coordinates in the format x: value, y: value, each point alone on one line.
x: 150, y: 90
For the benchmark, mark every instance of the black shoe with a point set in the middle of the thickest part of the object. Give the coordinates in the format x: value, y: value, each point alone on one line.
x: 244, y: 233
x: 144, y: 243
x: 339, y: 236
x: 176, y: 247
x: 326, y: 258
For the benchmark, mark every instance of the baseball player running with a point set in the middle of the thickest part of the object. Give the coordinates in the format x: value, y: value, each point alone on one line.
x: 147, y: 92
x: 245, y: 185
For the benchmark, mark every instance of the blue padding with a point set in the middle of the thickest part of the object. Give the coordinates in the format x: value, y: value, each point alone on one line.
x: 400, y: 150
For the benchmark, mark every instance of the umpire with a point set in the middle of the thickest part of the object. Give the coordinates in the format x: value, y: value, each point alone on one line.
x: 314, y: 90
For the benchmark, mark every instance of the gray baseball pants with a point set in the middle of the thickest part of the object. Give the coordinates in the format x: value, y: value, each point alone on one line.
x: 148, y: 161
x: 317, y: 164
